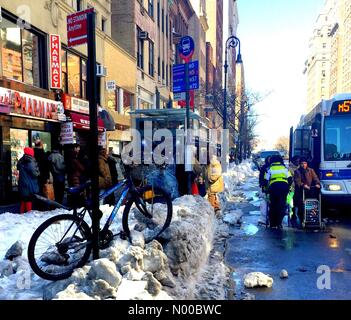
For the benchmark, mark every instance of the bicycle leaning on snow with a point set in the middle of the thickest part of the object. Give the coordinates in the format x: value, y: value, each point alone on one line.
x: 64, y: 242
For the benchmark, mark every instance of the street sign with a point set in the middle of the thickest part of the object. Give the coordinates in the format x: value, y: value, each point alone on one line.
x: 186, y: 48
x: 179, y: 83
x: 111, y: 85
x: 77, y: 28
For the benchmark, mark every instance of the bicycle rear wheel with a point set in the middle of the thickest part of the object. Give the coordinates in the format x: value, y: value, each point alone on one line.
x: 59, y: 245
x: 153, y: 210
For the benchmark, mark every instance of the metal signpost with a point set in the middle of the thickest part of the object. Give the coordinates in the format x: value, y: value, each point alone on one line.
x: 81, y: 30
x: 186, y: 49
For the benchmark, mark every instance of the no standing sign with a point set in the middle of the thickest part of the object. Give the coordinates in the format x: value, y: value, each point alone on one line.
x: 77, y: 28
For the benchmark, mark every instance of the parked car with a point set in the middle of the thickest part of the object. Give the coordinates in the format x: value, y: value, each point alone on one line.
x: 264, y: 154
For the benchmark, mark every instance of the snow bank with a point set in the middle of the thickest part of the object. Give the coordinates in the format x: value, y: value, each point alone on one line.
x: 125, y: 270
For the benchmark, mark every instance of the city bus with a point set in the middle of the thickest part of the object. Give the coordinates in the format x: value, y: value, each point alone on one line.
x: 324, y: 137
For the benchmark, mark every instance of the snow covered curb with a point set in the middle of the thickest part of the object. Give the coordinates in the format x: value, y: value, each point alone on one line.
x: 125, y: 271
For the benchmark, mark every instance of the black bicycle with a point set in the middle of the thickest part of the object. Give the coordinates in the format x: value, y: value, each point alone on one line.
x: 64, y: 242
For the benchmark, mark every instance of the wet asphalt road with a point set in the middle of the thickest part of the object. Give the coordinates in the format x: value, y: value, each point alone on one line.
x: 252, y: 249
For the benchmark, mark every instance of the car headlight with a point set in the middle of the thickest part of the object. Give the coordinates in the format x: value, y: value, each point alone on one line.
x: 333, y: 187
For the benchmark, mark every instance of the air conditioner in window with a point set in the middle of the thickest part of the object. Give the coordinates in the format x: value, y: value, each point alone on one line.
x: 143, y: 35
x: 101, y: 71
x: 164, y: 82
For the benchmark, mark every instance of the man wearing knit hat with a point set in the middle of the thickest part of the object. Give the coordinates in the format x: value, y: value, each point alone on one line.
x: 28, y: 179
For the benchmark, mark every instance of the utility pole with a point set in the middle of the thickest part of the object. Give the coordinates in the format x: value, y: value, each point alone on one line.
x: 92, y: 93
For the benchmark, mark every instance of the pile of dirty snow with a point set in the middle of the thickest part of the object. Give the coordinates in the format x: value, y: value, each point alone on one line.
x: 168, y: 269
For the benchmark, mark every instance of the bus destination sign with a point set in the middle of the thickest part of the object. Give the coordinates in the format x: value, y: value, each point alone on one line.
x: 341, y: 107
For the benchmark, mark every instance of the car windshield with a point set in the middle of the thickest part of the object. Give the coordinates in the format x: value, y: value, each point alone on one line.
x: 265, y: 154
x: 337, y: 144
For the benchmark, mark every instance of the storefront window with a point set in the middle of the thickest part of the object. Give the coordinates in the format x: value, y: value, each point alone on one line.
x: 115, y: 147
x: 19, y: 140
x: 64, y: 70
x: 30, y: 58
x: 84, y: 79
x: 112, y: 97
x: 44, y: 138
x: 19, y: 53
x: 73, y: 65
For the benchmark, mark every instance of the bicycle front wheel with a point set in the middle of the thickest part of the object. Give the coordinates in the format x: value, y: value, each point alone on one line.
x: 153, y: 211
x: 59, y: 245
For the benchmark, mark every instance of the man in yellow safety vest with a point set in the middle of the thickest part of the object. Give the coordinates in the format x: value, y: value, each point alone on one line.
x: 278, y: 179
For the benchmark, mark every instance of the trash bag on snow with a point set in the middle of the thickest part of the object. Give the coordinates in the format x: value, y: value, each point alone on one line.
x: 165, y: 179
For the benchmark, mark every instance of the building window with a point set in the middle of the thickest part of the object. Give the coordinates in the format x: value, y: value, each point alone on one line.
x: 163, y: 20
x: 20, y: 53
x: 163, y: 70
x: 74, y: 74
x: 77, y: 5
x: 166, y: 26
x: 158, y: 13
x: 151, y: 8
x: 167, y: 75
x: 84, y: 78
x: 64, y: 70
x: 159, y: 67
x: 170, y: 76
x: 151, y: 59
x: 103, y: 24
x: 140, y: 50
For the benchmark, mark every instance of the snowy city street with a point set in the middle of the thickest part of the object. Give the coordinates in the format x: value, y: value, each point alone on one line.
x: 176, y: 156
x: 208, y: 258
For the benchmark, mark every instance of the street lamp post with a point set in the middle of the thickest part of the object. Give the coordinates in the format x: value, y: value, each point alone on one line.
x: 232, y: 42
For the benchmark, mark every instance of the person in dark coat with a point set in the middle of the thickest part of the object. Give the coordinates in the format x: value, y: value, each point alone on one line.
x: 105, y: 180
x: 28, y: 179
x: 58, y: 171
x: 304, y: 178
x: 75, y: 168
x: 263, y: 171
x: 75, y: 172
x: 43, y: 164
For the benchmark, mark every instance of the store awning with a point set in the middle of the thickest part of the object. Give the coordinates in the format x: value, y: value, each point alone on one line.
x: 107, y: 118
x: 82, y: 122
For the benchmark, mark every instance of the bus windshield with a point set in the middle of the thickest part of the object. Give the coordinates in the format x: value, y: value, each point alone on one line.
x: 337, y: 142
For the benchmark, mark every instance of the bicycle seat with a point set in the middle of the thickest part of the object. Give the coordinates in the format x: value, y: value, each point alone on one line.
x: 79, y: 189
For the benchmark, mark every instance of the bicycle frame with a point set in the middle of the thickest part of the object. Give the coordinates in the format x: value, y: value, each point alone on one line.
x: 127, y: 186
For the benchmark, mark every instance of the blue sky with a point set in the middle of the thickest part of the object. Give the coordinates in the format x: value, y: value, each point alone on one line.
x: 274, y: 46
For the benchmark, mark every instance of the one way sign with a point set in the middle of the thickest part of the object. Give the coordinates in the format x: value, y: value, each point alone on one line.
x: 77, y: 28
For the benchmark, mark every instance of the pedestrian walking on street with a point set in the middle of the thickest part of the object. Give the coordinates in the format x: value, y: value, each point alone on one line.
x: 28, y: 179
x: 278, y: 180
x: 216, y: 183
